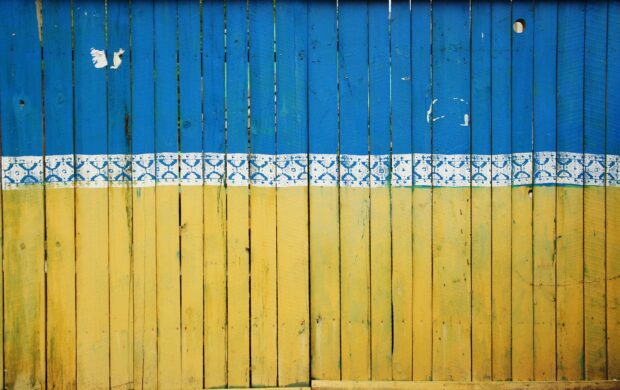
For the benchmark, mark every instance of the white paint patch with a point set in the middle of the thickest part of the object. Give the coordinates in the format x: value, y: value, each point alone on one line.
x: 465, y: 120
x: 438, y: 118
x: 99, y: 59
x: 429, y: 112
x: 117, y: 58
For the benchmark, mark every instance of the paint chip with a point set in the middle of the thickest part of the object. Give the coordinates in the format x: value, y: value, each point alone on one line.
x: 465, y: 120
x: 429, y: 112
x: 99, y: 59
x: 117, y: 58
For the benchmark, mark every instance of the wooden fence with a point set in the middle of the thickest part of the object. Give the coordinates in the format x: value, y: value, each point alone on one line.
x: 259, y: 194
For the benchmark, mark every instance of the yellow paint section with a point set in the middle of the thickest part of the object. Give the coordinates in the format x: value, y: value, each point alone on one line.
x: 381, y: 282
x: 145, y: 288
x: 168, y: 287
x: 464, y: 385
x: 481, y: 283
x: 325, y: 282
x: 501, y: 281
x: 612, y: 206
x: 92, y: 286
x: 215, y: 286
x: 263, y: 289
x: 293, y: 289
x: 2, y: 297
x: 24, y: 288
x: 355, y: 283
x: 192, y: 240
x: 544, y: 282
x: 422, y: 284
x: 594, y: 277
x: 402, y: 278
x: 451, y: 284
x: 570, y: 347
x: 60, y: 235
x: 238, y: 287
x: 522, y: 290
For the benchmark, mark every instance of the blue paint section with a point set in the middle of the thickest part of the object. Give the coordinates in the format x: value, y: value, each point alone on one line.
x: 90, y: 82
x: 481, y: 77
x: 262, y: 118
x: 291, y: 65
x: 545, y: 46
x: 379, y: 70
x: 613, y: 80
x: 451, y: 77
x: 237, y: 76
x: 165, y: 62
x: 119, y: 92
x: 571, y: 29
x: 422, y: 94
x: 190, y: 85
x: 322, y: 77
x: 401, y: 77
x: 58, y: 77
x: 213, y: 76
x: 595, y: 73
x: 500, y: 77
x: 353, y: 77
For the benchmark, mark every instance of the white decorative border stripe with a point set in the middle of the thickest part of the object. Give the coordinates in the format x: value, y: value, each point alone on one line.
x: 287, y: 170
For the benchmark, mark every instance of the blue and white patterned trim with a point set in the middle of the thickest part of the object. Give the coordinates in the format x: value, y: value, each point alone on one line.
x: 287, y: 170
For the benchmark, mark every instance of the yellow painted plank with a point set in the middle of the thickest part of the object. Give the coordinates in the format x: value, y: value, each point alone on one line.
x: 263, y: 289
x: 355, y: 283
x: 612, y: 255
x: 421, y: 385
x: 215, y: 286
x: 2, y: 294
x: 24, y: 294
x: 544, y: 282
x: 594, y: 283
x: 423, y: 284
x: 522, y: 290
x: 501, y: 282
x: 293, y: 294
x: 325, y: 282
x: 402, y: 288
x: 168, y: 287
x: 92, y: 288
x: 569, y: 273
x: 145, y: 294
x: 191, y: 285
x: 60, y: 230
x: 238, y: 287
x: 481, y: 283
x: 451, y: 284
x: 381, y: 282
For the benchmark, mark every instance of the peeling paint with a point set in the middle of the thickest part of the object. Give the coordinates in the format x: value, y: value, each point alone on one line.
x: 438, y: 118
x: 429, y: 112
x: 99, y: 59
x: 117, y: 58
x: 465, y: 120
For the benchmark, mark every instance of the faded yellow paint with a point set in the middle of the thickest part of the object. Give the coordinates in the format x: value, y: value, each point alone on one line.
x: 569, y: 273
x: 60, y: 236
x: 92, y: 288
x: 355, y: 283
x: 440, y: 385
x: 325, y: 282
x: 2, y: 262
x: 612, y: 206
x: 402, y: 278
x: 481, y: 284
x: 192, y: 240
x: 215, y: 286
x: 168, y: 287
x: 238, y: 287
x: 423, y: 284
x: 293, y: 289
x: 263, y: 278
x: 381, y: 283
x: 451, y: 284
x: 544, y: 282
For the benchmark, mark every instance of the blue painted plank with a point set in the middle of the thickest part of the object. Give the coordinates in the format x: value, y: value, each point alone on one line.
x: 213, y: 73
x: 421, y: 69
x: 613, y: 80
x: 522, y: 57
x: 379, y: 71
x: 481, y: 78
x: 237, y: 77
x: 500, y: 77
x: 401, y: 78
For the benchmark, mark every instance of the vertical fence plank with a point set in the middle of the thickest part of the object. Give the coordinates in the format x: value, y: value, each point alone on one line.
x: 402, y: 288
x: 500, y: 192
x: 422, y: 98
x: 59, y: 198
x: 594, y: 192
x: 91, y: 198
x: 354, y: 191
x: 544, y: 191
x: 380, y: 166
x: 214, y: 196
x: 23, y: 209
x: 481, y: 190
x: 324, y: 213
x: 451, y: 206
x: 569, y: 197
